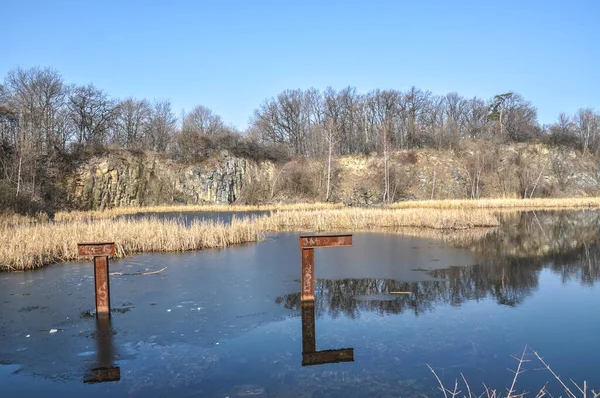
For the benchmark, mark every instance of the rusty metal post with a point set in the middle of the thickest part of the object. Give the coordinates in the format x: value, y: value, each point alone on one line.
x: 100, y: 253
x: 105, y: 369
x: 309, y: 339
x: 307, y: 263
x: 102, y: 286
x: 310, y: 355
x: 307, y: 278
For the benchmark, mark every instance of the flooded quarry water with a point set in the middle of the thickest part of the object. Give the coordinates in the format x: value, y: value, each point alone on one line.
x: 230, y: 323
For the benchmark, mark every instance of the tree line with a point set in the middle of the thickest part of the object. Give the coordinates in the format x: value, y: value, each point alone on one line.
x: 42, y: 117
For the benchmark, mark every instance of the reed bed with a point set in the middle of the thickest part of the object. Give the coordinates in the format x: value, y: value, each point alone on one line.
x: 67, y: 216
x: 12, y: 219
x: 365, y: 219
x: 28, y: 247
x: 517, y: 204
x: 31, y: 246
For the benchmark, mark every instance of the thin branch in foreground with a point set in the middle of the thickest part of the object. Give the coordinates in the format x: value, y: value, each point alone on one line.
x: 521, y: 360
x: 137, y: 273
x: 441, y: 387
x: 567, y: 390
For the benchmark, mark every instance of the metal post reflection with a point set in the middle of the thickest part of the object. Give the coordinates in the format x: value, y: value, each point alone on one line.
x: 104, y: 371
x: 310, y: 355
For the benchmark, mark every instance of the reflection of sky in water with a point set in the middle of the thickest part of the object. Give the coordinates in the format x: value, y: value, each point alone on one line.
x: 234, y: 328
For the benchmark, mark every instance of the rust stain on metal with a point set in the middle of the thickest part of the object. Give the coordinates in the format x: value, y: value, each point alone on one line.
x: 96, y: 249
x: 308, y: 275
x: 325, y: 241
x: 307, y: 263
x: 102, y: 288
x: 310, y: 355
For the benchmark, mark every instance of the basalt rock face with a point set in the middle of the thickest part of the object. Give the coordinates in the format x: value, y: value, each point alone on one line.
x: 123, y: 178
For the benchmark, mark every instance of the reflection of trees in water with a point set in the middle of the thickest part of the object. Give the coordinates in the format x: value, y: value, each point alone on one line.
x: 338, y: 297
x: 511, y: 259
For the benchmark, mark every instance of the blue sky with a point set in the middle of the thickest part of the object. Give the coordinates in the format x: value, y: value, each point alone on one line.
x: 232, y: 55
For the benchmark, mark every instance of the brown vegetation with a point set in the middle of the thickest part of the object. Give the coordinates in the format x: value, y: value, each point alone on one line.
x: 29, y: 246
x: 31, y: 243
x: 516, y: 204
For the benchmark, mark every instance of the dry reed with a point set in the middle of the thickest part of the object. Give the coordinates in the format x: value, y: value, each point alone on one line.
x: 366, y: 219
x: 65, y: 216
x: 518, y: 204
x: 30, y: 246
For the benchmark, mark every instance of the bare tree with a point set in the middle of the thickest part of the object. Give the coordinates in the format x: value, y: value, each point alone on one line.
x: 333, y: 116
x: 131, y: 122
x: 92, y: 112
x: 587, y: 127
x: 284, y: 120
x: 563, y: 132
x: 202, y: 120
x: 161, y: 126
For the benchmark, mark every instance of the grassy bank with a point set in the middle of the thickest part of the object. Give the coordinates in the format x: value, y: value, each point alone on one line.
x: 122, y: 211
x: 490, y: 204
x: 516, y: 204
x: 366, y: 219
x: 30, y: 243
x: 34, y: 245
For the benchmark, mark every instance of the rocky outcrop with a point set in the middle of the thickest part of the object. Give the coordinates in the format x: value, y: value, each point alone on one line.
x: 126, y: 178
x: 123, y: 178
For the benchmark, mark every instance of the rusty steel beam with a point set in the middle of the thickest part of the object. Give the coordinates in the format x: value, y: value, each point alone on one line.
x: 315, y: 242
x: 308, y: 275
x: 102, y: 287
x: 96, y: 249
x: 100, y: 253
x: 309, y: 339
x: 328, y: 356
x: 101, y: 375
x: 105, y: 370
x: 308, y: 244
x: 310, y: 355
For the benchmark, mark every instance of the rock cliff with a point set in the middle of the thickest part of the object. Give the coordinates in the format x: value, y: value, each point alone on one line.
x: 124, y: 178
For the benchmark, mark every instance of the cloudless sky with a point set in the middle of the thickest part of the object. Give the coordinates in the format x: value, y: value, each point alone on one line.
x: 231, y: 55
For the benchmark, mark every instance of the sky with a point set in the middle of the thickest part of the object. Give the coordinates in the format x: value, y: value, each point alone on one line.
x: 230, y: 56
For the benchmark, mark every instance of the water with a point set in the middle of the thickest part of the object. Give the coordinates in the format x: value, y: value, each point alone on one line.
x: 229, y: 323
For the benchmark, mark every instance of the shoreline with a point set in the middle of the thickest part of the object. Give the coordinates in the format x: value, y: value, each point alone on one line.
x: 495, y: 203
x: 33, y: 246
x: 30, y: 245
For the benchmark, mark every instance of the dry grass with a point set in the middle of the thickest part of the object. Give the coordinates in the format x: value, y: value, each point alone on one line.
x: 366, y: 219
x: 30, y: 246
x: 31, y: 242
x: 12, y: 219
x: 517, y: 204
x: 121, y: 211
